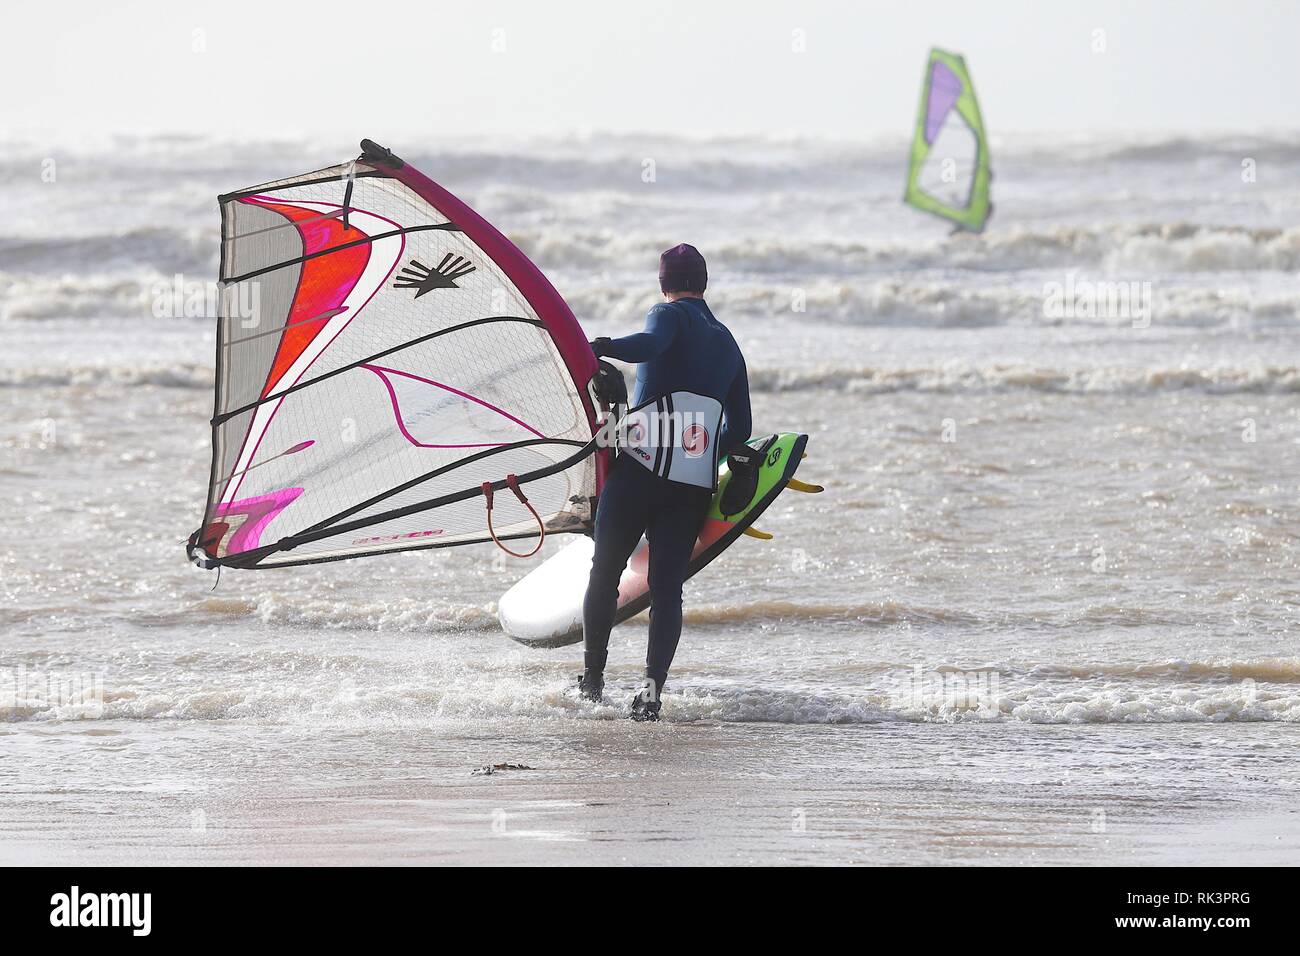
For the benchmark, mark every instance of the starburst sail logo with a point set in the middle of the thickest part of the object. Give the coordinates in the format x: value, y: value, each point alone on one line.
x: 422, y: 279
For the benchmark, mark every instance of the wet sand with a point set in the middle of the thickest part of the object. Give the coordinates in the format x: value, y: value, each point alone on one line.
x: 612, y: 792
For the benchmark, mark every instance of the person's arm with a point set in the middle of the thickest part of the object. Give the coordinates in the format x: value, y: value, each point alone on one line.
x: 660, y: 329
x: 737, y: 426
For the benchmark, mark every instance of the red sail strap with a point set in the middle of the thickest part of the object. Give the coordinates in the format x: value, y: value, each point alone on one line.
x: 513, y: 482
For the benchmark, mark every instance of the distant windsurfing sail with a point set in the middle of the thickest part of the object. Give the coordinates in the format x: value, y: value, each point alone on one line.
x: 949, y: 174
x: 385, y: 360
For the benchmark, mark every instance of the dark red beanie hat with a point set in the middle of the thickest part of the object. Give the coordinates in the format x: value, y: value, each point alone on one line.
x: 682, y: 269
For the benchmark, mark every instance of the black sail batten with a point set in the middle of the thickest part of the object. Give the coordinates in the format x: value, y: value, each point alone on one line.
x: 226, y: 416
x: 282, y: 226
x: 259, y: 190
x: 279, y: 330
x: 248, y: 559
x: 299, y: 260
x: 436, y: 473
x: 347, y: 194
x: 210, y: 564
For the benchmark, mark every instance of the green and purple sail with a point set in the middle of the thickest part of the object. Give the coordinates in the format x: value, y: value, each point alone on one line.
x: 948, y: 173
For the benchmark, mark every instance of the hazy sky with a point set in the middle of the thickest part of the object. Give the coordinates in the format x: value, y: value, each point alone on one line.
x: 430, y: 69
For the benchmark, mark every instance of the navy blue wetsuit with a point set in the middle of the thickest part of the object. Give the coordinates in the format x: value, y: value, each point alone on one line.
x: 683, y: 348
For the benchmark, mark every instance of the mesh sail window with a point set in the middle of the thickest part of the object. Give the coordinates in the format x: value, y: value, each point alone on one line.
x: 382, y: 351
x: 948, y: 172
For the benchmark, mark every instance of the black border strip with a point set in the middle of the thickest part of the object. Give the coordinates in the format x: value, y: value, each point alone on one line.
x: 219, y: 368
x: 669, y: 440
x: 661, y: 405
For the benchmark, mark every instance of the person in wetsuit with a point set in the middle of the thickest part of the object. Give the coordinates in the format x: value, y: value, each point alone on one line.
x: 683, y: 348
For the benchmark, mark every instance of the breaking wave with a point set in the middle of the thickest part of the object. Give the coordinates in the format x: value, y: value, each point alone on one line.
x: 959, y: 377
x: 945, y: 378
x: 295, y: 687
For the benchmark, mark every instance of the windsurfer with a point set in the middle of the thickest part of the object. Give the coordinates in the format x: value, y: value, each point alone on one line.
x: 684, y: 350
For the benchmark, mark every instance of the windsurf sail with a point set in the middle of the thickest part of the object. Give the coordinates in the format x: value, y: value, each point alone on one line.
x: 386, y: 359
x: 948, y: 173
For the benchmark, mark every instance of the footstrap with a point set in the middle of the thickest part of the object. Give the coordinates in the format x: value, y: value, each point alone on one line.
x: 512, y: 481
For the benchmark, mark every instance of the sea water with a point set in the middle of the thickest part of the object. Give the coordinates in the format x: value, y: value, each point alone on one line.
x: 1045, y: 611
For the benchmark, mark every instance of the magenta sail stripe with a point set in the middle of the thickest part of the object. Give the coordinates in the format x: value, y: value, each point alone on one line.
x: 456, y: 391
x: 397, y: 411
x: 565, y: 332
x: 259, y: 512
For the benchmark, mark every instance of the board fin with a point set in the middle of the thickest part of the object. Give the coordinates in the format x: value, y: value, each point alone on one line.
x: 794, y: 484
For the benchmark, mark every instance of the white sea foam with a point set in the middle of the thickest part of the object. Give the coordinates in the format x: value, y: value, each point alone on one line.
x: 296, y: 687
